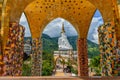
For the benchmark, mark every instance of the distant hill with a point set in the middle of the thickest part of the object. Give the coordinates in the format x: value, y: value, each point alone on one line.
x: 51, y: 44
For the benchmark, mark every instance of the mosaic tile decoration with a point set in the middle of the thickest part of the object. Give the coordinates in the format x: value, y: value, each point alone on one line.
x: 13, y: 56
x: 107, y: 46
x: 36, y: 57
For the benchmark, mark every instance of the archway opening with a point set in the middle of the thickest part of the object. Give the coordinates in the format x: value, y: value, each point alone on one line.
x: 93, y: 45
x: 59, y: 40
x: 26, y: 66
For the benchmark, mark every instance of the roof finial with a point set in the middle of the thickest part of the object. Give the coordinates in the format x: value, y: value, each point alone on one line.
x: 63, y: 30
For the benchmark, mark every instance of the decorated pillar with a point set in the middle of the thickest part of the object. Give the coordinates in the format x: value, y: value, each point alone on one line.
x: 82, y: 57
x: 1, y: 65
x: 118, y: 46
x: 108, y: 52
x: 13, y: 55
x: 18, y: 57
x: 36, y: 57
x: 1, y: 58
x: 117, y: 30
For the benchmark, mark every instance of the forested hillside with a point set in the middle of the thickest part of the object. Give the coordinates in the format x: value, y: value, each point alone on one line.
x: 51, y: 44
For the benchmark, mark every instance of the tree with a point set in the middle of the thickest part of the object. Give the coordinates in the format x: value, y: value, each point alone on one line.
x: 47, y: 65
x: 95, y: 64
x: 47, y: 68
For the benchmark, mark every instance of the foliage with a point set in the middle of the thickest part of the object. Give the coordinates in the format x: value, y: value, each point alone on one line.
x: 95, y: 64
x: 47, y: 65
x: 49, y: 44
x: 47, y: 56
x: 93, y: 49
x: 73, y: 70
x: 47, y: 68
x: 26, y: 68
x: 70, y: 64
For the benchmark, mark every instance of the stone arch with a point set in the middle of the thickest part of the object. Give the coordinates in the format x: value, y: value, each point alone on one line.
x: 27, y: 22
x: 92, y: 18
x: 59, y: 57
x: 9, y: 14
x: 105, y: 8
x: 61, y: 13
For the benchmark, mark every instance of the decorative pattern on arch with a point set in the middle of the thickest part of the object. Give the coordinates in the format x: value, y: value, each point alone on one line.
x: 44, y: 12
x: 20, y: 5
x: 105, y: 7
x: 11, y: 12
x: 75, y: 13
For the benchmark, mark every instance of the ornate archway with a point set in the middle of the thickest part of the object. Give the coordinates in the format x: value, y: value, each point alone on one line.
x: 40, y: 12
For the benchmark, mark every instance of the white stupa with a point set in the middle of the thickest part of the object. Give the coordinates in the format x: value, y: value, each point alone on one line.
x: 63, y: 43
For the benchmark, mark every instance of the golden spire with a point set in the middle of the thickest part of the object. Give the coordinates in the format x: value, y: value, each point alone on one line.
x: 63, y: 30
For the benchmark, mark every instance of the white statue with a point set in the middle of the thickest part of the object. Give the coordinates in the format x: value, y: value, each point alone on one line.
x: 63, y: 42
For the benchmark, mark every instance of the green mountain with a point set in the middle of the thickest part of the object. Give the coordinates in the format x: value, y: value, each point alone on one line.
x: 51, y: 44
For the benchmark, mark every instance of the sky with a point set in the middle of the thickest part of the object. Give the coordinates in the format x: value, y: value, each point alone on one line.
x: 53, y: 29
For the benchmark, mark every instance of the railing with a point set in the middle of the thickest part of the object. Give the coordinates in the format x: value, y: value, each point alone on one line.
x: 59, y: 78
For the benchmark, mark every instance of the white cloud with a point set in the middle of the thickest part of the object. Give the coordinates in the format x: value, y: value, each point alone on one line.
x: 23, y: 22
x: 23, y: 18
x: 53, y: 29
x: 93, y: 33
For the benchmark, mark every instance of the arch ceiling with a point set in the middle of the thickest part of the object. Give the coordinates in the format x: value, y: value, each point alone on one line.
x: 40, y: 12
x: 11, y: 12
x: 78, y: 12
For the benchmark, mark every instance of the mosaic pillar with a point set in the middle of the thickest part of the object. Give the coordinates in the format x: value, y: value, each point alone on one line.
x: 118, y: 45
x: 1, y: 58
x: 18, y: 57
x: 82, y: 57
x: 118, y: 51
x: 117, y: 30
x: 36, y: 57
x: 1, y: 65
x: 13, y: 55
x: 107, y: 46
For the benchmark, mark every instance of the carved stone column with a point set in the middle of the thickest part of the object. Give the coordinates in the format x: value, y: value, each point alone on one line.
x: 36, y: 57
x: 107, y: 46
x: 82, y: 57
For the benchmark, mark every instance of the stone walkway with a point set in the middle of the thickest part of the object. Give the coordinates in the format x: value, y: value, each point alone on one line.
x: 61, y: 73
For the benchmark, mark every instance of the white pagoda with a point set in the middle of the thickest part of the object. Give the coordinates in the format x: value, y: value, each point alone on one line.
x: 65, y: 51
x: 63, y: 43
